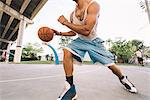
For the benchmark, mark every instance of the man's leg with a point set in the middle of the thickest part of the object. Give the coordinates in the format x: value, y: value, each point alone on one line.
x: 141, y: 61
x: 68, y: 63
x: 123, y: 79
x: 69, y: 92
x: 68, y: 66
x: 116, y: 70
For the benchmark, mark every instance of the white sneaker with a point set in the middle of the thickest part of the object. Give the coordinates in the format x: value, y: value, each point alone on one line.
x: 128, y: 85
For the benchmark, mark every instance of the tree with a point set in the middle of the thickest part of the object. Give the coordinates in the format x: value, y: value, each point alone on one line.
x: 138, y: 44
x: 122, y: 49
x: 64, y: 40
x: 31, y: 50
x: 147, y: 53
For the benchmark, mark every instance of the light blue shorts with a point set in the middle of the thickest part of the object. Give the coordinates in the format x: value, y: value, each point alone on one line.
x: 95, y: 49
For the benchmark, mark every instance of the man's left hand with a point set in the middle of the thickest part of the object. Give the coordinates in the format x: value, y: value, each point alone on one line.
x: 62, y: 19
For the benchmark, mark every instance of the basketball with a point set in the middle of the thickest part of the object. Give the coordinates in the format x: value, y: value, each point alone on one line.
x: 45, y: 34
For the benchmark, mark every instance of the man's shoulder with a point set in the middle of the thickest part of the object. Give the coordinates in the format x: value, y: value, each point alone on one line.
x: 94, y: 6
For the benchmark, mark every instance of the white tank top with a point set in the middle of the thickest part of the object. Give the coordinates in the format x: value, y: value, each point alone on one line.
x: 93, y: 34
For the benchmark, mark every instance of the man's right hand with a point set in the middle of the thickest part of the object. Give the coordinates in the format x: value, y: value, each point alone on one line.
x: 56, y: 32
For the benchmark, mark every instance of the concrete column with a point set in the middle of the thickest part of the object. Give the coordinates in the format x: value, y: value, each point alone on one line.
x: 8, y: 52
x: 148, y: 9
x: 18, y: 51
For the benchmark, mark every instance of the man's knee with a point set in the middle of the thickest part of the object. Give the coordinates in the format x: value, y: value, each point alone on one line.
x: 67, y: 53
x: 112, y: 67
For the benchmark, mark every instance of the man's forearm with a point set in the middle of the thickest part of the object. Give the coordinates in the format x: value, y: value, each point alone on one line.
x: 80, y: 29
x: 70, y: 33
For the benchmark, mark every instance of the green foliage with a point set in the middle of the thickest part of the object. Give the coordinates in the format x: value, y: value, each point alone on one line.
x: 138, y: 44
x: 31, y: 50
x: 64, y: 40
x: 124, y: 49
x: 147, y: 53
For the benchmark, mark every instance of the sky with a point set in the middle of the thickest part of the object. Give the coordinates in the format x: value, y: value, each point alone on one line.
x: 118, y: 19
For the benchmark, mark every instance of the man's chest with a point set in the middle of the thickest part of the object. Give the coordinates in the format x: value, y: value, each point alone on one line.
x: 80, y: 14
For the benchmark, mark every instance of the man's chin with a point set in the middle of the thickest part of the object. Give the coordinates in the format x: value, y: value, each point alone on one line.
x: 75, y: 1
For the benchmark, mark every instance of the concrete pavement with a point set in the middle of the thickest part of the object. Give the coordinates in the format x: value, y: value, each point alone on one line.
x: 93, y: 82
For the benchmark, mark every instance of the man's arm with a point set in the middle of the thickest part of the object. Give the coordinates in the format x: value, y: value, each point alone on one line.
x: 90, y: 21
x: 70, y: 33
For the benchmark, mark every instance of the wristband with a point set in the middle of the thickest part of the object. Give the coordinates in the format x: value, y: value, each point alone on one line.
x: 60, y: 33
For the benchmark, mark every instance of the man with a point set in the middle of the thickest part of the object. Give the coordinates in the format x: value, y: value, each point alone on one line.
x: 4, y: 54
x: 83, y: 22
x: 139, y: 57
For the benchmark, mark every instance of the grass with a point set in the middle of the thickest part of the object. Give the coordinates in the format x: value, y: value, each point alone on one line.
x: 37, y: 62
x: 47, y: 62
x: 52, y: 62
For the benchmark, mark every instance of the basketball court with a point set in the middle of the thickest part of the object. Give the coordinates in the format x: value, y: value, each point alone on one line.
x: 93, y: 82
x: 46, y: 81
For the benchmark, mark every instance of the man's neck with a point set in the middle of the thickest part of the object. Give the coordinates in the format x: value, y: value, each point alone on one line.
x: 82, y: 3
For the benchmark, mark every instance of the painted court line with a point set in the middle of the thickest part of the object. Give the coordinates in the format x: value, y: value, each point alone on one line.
x: 28, y: 79
x: 43, y: 77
